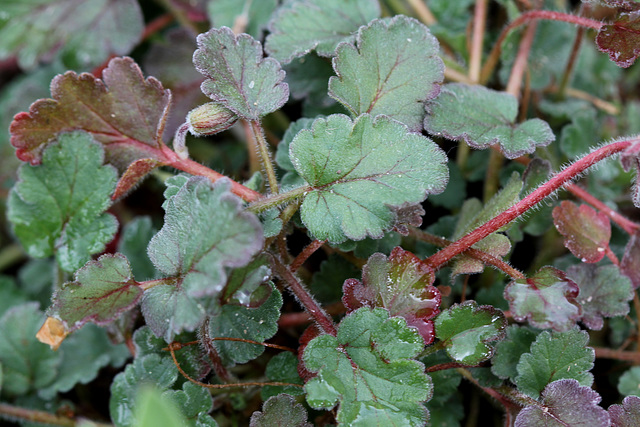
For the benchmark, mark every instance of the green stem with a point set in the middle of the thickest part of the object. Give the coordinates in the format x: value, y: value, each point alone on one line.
x: 263, y: 150
x: 273, y: 201
x: 43, y: 417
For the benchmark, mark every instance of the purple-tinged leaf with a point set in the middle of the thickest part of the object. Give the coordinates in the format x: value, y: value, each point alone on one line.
x: 101, y: 291
x: 280, y: 410
x: 134, y: 174
x: 407, y: 215
x: 604, y: 292
x: 621, y: 39
x: 124, y: 112
x: 483, y: 117
x: 565, y: 403
x: 468, y: 331
x: 402, y: 284
x: 237, y: 75
x: 546, y: 300
x: 631, y: 260
x: 627, y: 414
x: 392, y: 69
x: 586, y: 232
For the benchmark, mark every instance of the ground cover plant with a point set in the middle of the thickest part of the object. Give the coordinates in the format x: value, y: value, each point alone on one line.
x: 320, y: 212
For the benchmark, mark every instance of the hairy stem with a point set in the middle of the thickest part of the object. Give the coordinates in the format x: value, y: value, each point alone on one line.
x: 305, y: 254
x: 546, y: 189
x: 265, y: 156
x: 494, y: 56
x: 273, y: 201
x: 304, y: 297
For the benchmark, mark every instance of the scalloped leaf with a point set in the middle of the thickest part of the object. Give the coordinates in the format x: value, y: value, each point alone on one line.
x: 300, y: 26
x: 546, y: 300
x: 58, y: 208
x: 565, y: 403
x: 101, y: 292
x: 604, y: 292
x: 467, y: 330
x: 620, y: 39
x: 195, y: 403
x: 368, y: 370
x: 358, y: 170
x: 627, y: 414
x: 392, y: 69
x: 402, y: 284
x: 80, y: 32
x: 554, y: 356
x: 509, y: 351
x: 237, y: 76
x: 282, y: 367
x: 124, y: 112
x: 483, y: 117
x: 586, y: 232
x: 280, y: 410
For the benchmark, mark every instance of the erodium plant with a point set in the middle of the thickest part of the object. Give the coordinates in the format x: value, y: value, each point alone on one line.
x: 277, y: 219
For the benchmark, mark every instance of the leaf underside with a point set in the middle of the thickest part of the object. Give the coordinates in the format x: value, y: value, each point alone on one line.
x: 586, y: 232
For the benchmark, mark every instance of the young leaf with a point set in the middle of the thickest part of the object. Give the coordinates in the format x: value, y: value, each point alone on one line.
x: 468, y: 329
x: 402, y: 285
x: 565, y: 403
x: 280, y: 410
x: 604, y: 292
x: 80, y: 32
x: 237, y: 75
x: 300, y: 26
x: 627, y: 414
x: 368, y: 370
x: 124, y: 112
x: 392, y: 69
x: 508, y: 351
x: 631, y: 260
x: 359, y: 169
x: 586, y: 232
x: 628, y: 382
x: 546, y: 300
x: 101, y: 291
x: 58, y: 207
x: 483, y: 117
x: 555, y: 356
x: 283, y: 367
x: 620, y: 39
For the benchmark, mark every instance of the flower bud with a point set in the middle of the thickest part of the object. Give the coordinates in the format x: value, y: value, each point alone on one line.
x: 210, y: 118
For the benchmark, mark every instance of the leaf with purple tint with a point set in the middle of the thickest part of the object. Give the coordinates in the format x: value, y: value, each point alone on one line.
x: 124, y: 112
x: 627, y: 414
x: 468, y: 331
x: 631, y: 260
x: 586, y: 232
x: 546, y: 300
x: 101, y: 291
x: 402, y: 284
x: 237, y: 75
x: 392, y: 69
x: 604, y: 292
x: 565, y: 403
x: 621, y: 39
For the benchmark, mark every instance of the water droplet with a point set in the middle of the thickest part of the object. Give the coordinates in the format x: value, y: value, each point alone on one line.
x: 252, y: 84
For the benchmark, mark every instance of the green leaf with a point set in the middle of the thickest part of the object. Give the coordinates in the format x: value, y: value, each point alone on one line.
x: 368, y: 370
x: 291, y: 177
x: 508, y: 351
x: 283, y: 367
x: 102, y: 291
x: 326, y: 284
x: 281, y: 410
x: 467, y: 330
x: 146, y: 370
x: 81, y: 32
x: 27, y: 364
x: 195, y: 402
x: 358, y: 170
x: 134, y: 239
x: 300, y: 26
x: 554, y: 356
x: 237, y: 76
x: 627, y: 414
x: 565, y: 403
x: 546, y: 300
x: 10, y: 294
x: 402, y: 284
x: 153, y: 409
x: 254, y: 14
x: 392, y: 69
x: 308, y: 79
x: 123, y: 112
x: 58, y: 207
x: 249, y: 286
x: 581, y: 134
x: 628, y: 382
x: 483, y: 117
x: 586, y: 232
x: 256, y: 324
x: 604, y: 292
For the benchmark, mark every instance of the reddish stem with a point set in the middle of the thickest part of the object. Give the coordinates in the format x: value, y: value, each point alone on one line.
x: 555, y: 183
x: 288, y: 320
x: 626, y: 224
x: 156, y: 25
x: 608, y: 353
x: 520, y: 63
x: 612, y: 257
x: 305, y: 254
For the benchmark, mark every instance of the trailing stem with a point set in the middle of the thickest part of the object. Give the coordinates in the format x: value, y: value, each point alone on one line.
x: 546, y: 189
